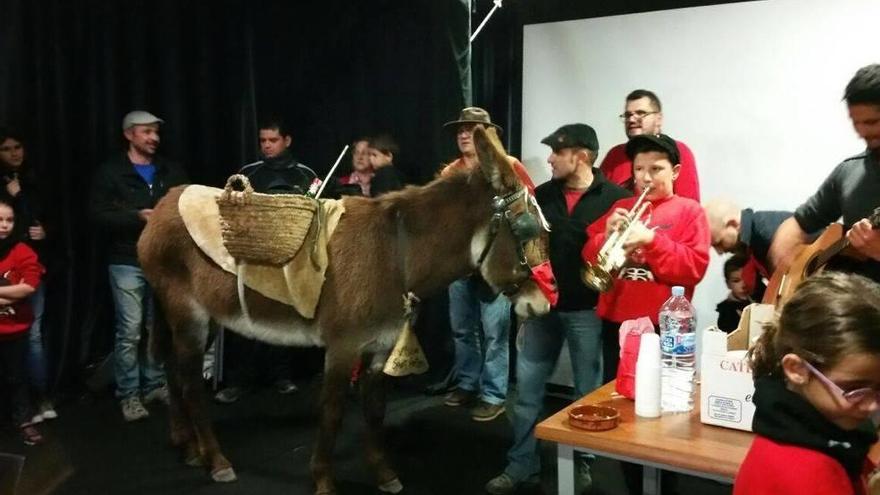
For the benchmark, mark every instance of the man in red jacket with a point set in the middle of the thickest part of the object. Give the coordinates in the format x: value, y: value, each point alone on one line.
x: 643, y: 114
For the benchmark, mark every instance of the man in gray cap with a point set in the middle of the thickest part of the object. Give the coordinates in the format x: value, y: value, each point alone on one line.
x: 575, y: 196
x: 124, y: 191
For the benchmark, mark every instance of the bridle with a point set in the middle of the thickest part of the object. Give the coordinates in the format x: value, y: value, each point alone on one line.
x: 524, y: 226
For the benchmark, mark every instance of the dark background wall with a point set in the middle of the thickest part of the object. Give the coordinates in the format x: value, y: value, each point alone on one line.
x: 69, y: 71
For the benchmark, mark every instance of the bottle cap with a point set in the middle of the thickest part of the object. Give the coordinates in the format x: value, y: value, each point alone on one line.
x: 677, y: 291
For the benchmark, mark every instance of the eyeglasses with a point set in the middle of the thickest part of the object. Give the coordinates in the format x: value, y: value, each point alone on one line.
x: 638, y: 114
x: 853, y: 396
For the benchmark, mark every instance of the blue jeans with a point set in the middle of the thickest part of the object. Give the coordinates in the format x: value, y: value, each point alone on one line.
x: 480, y: 332
x: 538, y: 348
x: 134, y: 368
x: 36, y: 357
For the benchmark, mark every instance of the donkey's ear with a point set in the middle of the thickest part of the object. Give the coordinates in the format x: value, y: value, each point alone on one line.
x: 494, y: 163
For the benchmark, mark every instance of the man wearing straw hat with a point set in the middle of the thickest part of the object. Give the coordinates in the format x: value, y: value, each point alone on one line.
x: 124, y: 191
x: 480, y: 321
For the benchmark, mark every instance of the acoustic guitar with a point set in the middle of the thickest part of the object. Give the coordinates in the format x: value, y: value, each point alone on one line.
x: 810, y: 260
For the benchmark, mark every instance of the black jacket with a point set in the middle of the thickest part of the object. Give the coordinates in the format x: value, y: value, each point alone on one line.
x: 118, y: 193
x: 279, y: 175
x: 386, y: 179
x: 568, y: 234
x: 29, y: 204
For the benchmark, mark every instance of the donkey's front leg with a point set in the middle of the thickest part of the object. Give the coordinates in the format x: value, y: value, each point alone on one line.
x: 337, y: 372
x: 373, y: 395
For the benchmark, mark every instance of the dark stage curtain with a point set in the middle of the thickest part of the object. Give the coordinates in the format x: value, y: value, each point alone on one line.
x: 69, y: 71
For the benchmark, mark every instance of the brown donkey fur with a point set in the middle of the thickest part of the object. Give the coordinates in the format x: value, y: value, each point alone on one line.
x: 416, y: 240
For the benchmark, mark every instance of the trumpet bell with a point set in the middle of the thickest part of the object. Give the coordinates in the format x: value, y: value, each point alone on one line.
x: 597, y: 278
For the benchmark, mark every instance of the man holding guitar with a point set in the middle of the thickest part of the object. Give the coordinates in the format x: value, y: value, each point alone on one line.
x: 852, y: 191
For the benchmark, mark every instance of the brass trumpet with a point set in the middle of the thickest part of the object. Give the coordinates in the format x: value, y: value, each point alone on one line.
x: 600, y: 276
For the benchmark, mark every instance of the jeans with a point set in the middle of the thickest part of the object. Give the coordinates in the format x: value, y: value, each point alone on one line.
x: 538, y: 348
x: 36, y: 357
x: 13, y: 354
x: 480, y: 332
x: 134, y: 367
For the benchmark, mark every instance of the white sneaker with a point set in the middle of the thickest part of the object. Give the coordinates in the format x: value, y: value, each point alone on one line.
x: 47, y: 410
x: 133, y: 409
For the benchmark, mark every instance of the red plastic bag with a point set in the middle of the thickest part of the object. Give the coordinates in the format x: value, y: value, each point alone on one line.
x: 630, y: 337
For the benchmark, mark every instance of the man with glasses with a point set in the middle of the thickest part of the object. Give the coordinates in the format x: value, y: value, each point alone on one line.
x: 643, y: 114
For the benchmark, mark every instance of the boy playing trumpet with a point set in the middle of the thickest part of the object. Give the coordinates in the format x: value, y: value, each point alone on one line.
x: 668, y: 246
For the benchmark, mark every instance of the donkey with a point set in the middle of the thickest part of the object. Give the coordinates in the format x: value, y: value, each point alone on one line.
x: 417, y: 240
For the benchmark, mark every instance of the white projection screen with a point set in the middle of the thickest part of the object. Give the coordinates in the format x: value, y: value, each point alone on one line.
x: 753, y: 88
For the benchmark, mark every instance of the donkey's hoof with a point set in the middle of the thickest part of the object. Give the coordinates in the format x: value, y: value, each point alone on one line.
x: 393, y: 486
x: 224, y: 475
x: 195, y: 461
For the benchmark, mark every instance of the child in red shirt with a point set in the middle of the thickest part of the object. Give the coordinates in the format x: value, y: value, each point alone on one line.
x: 817, y: 383
x: 670, y: 247
x: 20, y: 274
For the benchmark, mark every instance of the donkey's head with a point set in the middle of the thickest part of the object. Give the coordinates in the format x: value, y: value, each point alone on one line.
x: 512, y: 248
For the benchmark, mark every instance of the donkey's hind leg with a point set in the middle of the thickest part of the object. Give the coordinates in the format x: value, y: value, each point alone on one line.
x: 337, y: 373
x: 374, y: 389
x: 189, y: 335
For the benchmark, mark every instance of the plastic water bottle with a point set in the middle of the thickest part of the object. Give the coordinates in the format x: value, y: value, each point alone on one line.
x: 677, y: 353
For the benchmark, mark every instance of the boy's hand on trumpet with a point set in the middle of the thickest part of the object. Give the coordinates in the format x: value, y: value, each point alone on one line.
x: 639, y: 236
x: 616, y: 221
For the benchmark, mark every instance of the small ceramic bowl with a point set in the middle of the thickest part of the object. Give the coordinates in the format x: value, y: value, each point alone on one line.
x: 593, y: 418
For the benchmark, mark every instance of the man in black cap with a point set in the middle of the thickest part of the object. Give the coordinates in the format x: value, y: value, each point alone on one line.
x: 480, y: 320
x: 575, y: 197
x: 124, y: 191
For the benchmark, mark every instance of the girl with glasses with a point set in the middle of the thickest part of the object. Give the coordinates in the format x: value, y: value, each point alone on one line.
x: 817, y: 377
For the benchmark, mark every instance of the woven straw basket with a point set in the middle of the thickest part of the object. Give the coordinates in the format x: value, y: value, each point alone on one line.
x: 263, y: 228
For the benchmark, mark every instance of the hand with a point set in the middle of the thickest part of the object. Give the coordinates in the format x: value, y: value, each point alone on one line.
x: 615, y: 221
x: 145, y: 214
x: 639, y: 235
x: 865, y: 239
x: 13, y: 187
x: 36, y: 232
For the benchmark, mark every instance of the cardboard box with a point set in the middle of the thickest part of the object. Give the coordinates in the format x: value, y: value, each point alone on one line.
x: 727, y: 386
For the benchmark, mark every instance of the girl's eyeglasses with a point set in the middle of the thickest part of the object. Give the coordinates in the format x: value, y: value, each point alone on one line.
x: 853, y: 396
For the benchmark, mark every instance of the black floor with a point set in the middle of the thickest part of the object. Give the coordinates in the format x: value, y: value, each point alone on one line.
x: 268, y: 437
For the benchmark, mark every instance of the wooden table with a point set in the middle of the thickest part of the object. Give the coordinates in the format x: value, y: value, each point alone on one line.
x: 673, y: 442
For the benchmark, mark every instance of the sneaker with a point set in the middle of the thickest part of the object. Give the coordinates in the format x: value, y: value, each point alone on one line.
x: 47, y: 410
x: 504, y: 484
x: 30, y: 435
x: 285, y: 386
x: 487, y: 412
x: 159, y: 394
x: 583, y: 480
x: 459, y: 397
x: 133, y: 409
x: 228, y: 395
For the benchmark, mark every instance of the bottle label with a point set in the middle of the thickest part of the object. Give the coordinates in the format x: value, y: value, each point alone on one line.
x: 685, y: 343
